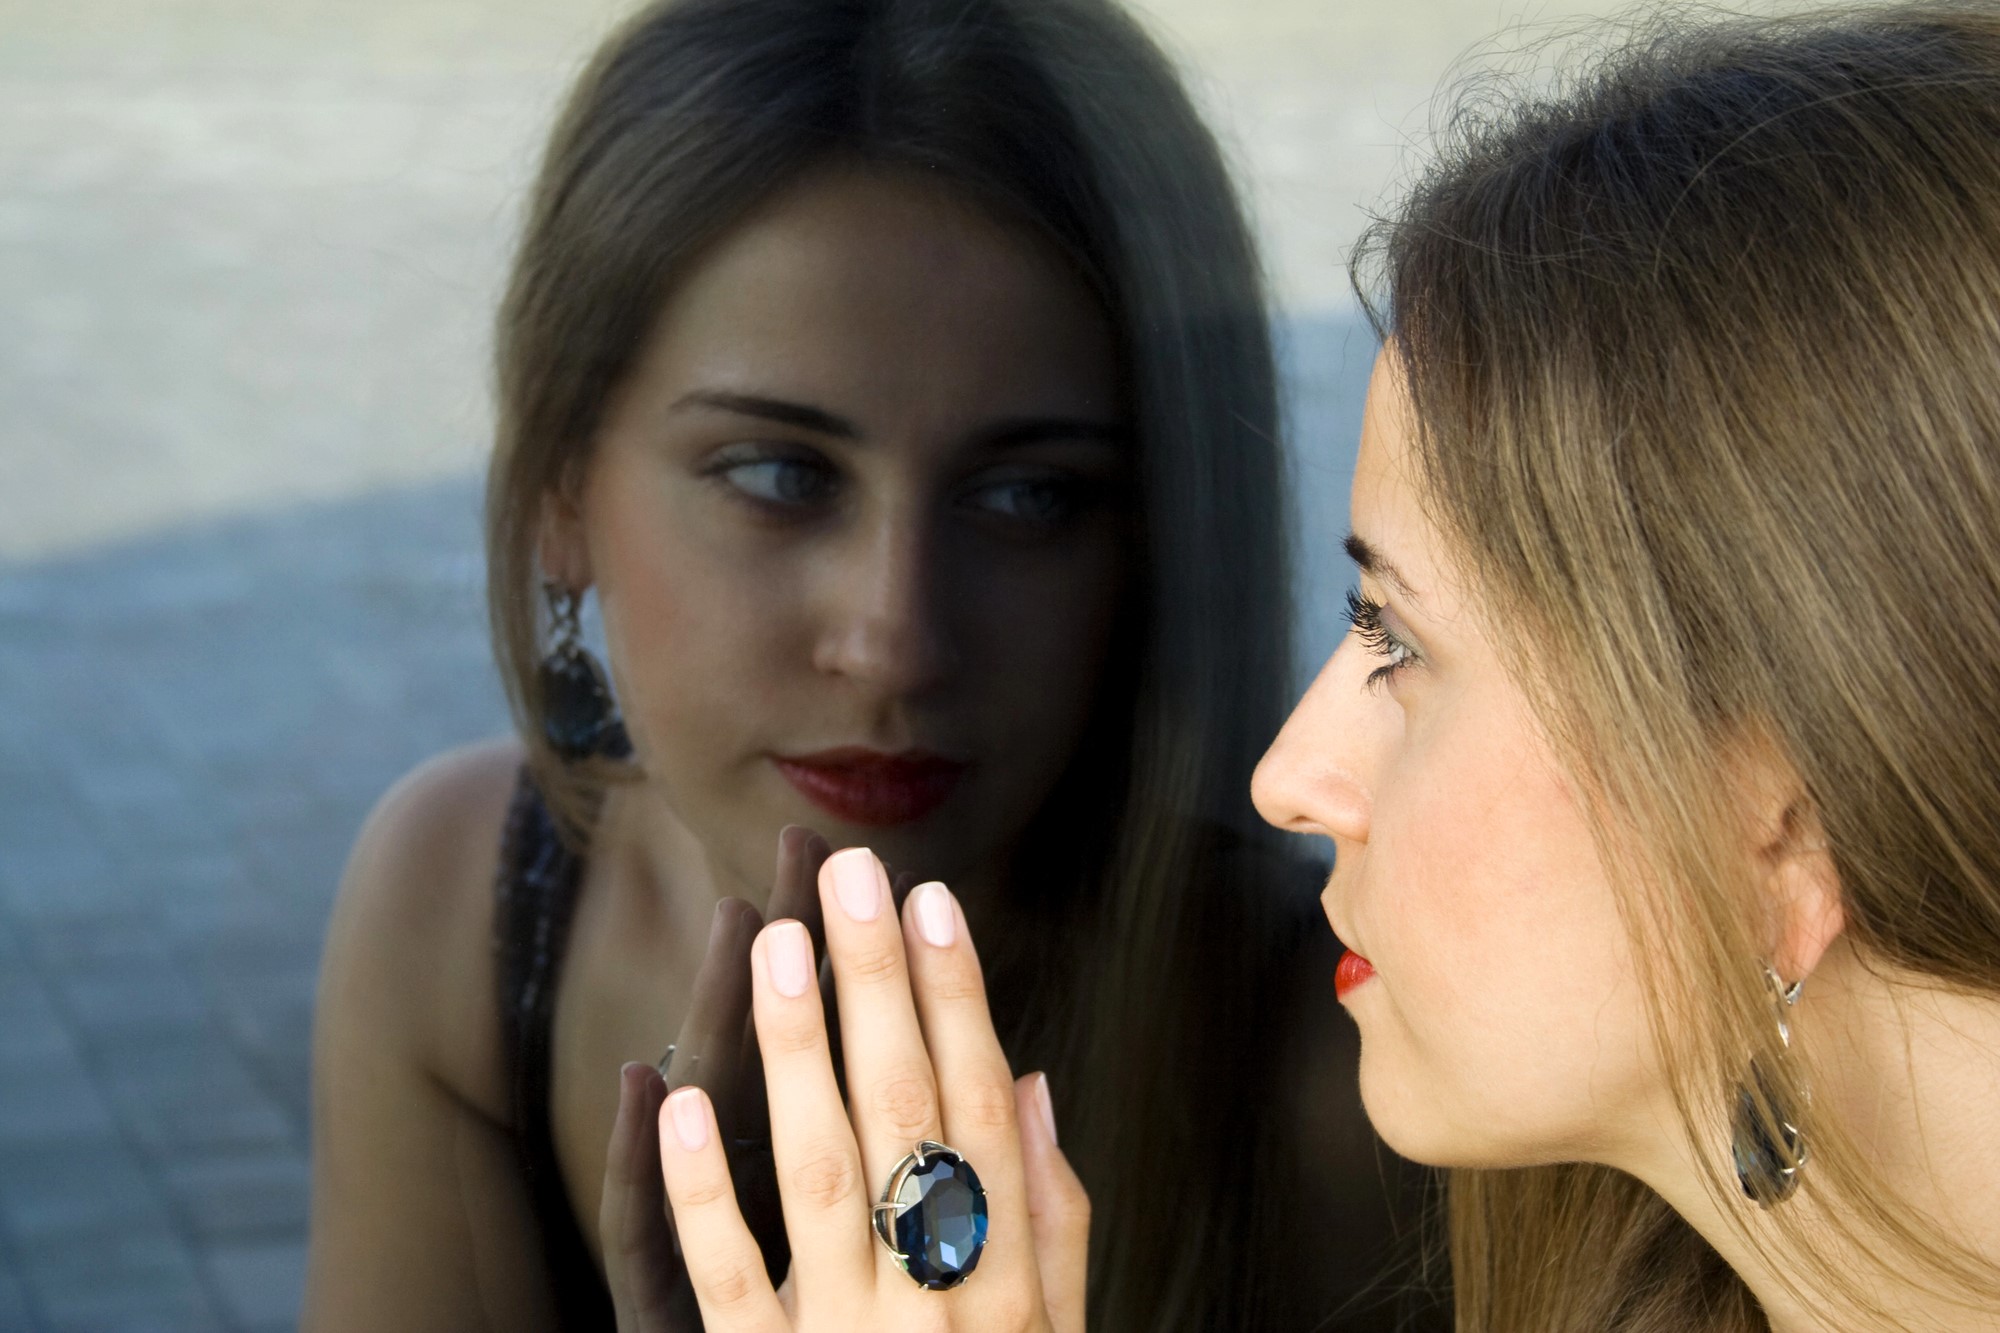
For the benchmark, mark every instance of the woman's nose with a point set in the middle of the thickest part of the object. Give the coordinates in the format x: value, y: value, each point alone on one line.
x: 884, y: 628
x: 1316, y: 777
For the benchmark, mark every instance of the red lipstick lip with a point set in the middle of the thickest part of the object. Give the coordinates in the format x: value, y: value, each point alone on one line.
x: 1351, y: 971
x: 870, y: 788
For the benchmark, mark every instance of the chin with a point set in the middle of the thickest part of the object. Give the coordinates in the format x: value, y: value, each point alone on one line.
x: 1399, y: 1129
x: 1406, y: 1112
x: 928, y: 848
x: 1429, y: 1139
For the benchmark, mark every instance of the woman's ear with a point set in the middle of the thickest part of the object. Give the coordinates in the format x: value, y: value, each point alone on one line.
x: 560, y: 548
x: 1804, y: 893
x: 1795, y: 869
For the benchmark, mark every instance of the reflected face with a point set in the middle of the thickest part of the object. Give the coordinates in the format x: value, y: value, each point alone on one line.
x: 857, y: 529
x: 1500, y: 1025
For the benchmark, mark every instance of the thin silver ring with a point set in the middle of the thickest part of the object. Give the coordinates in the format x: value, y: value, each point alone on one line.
x: 667, y: 1060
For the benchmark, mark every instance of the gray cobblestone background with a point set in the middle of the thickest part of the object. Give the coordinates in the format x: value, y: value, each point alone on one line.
x: 195, y: 724
x: 247, y: 258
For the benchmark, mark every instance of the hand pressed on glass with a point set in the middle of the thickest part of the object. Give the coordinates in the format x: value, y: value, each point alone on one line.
x: 923, y: 1067
x: 716, y: 1050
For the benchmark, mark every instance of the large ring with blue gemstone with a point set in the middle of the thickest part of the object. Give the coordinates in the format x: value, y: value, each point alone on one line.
x: 932, y: 1217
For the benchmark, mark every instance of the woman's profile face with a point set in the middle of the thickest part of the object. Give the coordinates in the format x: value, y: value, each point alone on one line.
x: 855, y: 521
x: 1501, y: 1026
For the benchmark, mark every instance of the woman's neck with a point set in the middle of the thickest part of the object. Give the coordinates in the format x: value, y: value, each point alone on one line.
x: 1914, y: 1074
x: 666, y: 879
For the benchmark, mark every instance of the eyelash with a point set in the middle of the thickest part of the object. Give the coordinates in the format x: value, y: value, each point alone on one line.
x: 1365, y: 615
x: 1057, y: 498
x: 791, y: 468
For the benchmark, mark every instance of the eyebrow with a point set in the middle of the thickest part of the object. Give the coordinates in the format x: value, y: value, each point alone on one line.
x: 1006, y: 435
x: 1372, y: 562
x: 770, y: 409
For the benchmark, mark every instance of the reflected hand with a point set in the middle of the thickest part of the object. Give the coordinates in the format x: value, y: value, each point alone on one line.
x: 715, y: 1050
x: 922, y: 1062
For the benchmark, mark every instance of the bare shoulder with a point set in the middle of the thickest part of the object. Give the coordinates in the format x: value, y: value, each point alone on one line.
x: 420, y: 1216
x: 411, y: 934
x: 431, y: 830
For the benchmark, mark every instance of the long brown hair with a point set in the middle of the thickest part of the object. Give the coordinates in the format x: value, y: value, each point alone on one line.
x: 1060, y: 116
x: 1705, y: 355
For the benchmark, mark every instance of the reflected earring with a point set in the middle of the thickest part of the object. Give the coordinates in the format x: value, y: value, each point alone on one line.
x: 1767, y: 1162
x: 579, y: 720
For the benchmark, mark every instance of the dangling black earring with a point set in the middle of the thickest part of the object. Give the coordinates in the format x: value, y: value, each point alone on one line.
x: 1767, y: 1163
x: 579, y: 720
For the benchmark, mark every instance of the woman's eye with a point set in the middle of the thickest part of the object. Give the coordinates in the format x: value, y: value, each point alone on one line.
x: 1037, y: 502
x: 1365, y: 614
x: 790, y: 482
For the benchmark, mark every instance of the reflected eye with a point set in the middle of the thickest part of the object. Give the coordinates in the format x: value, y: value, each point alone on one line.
x: 1365, y: 614
x: 1039, y: 501
x: 1043, y: 502
x: 781, y: 480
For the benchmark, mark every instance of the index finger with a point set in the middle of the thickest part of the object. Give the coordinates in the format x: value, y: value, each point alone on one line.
x: 795, y: 883
x: 794, y: 896
x: 710, y: 1041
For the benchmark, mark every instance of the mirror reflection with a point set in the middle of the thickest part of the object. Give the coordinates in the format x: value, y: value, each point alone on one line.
x: 894, y: 382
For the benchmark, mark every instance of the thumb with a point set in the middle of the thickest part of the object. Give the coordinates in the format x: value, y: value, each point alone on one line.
x: 1058, y: 1208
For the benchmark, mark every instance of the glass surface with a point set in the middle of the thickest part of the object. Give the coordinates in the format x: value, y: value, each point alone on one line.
x: 249, y: 257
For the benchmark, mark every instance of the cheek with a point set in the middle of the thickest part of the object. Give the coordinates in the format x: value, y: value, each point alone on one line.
x: 1512, y: 1022
x: 690, y: 622
x: 1485, y: 845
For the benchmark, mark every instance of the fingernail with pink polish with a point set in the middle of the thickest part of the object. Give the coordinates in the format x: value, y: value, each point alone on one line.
x: 1047, y: 1107
x: 788, y: 952
x: 936, y: 921
x: 685, y: 1108
x: 857, y: 883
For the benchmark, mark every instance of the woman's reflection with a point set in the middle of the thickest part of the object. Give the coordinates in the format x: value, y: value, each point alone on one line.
x: 895, y: 374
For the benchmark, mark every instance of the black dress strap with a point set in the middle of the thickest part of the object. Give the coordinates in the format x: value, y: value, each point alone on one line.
x: 535, y: 901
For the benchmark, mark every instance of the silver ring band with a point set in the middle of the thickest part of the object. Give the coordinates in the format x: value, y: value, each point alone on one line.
x: 667, y: 1060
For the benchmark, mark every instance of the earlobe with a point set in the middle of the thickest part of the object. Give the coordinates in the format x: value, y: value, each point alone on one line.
x: 563, y: 553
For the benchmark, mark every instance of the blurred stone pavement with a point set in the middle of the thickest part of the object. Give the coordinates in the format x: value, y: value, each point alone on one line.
x: 194, y: 726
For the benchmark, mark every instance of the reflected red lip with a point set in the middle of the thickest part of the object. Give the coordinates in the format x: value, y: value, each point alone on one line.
x: 1351, y: 971
x: 871, y: 788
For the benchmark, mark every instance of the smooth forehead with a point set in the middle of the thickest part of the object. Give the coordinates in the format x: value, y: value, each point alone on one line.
x: 857, y: 269
x: 1387, y: 507
x: 1383, y: 499
x: 932, y: 228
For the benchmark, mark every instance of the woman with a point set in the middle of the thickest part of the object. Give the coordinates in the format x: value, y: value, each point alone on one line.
x: 894, y: 372
x: 1661, y: 762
